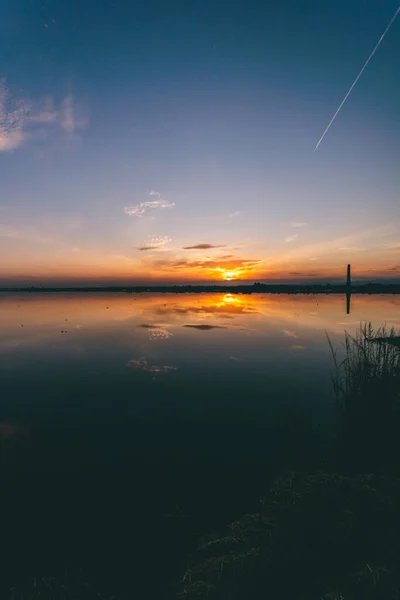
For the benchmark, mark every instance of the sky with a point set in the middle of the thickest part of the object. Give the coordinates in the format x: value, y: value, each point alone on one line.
x: 150, y: 142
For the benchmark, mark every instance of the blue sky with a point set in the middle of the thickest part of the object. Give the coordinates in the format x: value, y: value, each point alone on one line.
x: 154, y: 141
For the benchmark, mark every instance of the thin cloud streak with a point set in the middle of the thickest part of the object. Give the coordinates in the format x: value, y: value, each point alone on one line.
x: 203, y: 247
x: 298, y: 224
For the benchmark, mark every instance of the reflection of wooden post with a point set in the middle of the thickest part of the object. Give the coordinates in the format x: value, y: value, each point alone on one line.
x: 348, y: 300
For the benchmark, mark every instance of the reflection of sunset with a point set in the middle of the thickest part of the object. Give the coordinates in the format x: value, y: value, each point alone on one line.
x: 28, y: 318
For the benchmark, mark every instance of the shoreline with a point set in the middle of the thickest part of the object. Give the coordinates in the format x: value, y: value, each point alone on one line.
x: 257, y: 288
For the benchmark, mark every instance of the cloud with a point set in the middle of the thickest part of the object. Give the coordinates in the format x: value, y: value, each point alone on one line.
x: 350, y: 249
x: 22, y: 120
x: 12, y: 120
x: 291, y: 238
x: 157, y: 242
x: 203, y: 247
x: 397, y: 268
x: 67, y: 115
x: 138, y: 210
x: 298, y: 224
x: 237, y: 213
x: 207, y: 264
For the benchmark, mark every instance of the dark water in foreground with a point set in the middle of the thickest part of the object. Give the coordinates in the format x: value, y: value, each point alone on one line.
x: 131, y: 424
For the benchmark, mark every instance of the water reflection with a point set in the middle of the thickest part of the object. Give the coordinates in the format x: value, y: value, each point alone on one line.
x: 215, y: 363
x: 27, y: 320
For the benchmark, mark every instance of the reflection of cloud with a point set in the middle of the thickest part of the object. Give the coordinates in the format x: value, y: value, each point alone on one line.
x: 157, y: 332
x: 291, y: 238
x: 227, y: 307
x: 141, y: 364
x: 297, y: 347
x: 138, y: 210
x: 289, y: 333
x: 235, y: 359
x: 203, y: 247
x: 298, y: 224
x: 205, y: 327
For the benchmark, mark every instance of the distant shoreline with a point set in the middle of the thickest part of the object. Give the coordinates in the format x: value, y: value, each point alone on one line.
x: 257, y: 288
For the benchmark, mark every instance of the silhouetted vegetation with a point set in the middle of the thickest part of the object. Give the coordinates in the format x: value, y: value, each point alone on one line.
x: 319, y: 536
x: 367, y: 388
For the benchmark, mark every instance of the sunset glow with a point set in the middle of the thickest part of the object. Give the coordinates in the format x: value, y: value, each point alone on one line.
x: 163, y: 170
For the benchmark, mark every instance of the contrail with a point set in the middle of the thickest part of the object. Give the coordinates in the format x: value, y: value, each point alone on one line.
x: 358, y: 76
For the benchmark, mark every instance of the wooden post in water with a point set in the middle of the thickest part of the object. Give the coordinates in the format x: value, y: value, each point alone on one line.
x: 348, y: 291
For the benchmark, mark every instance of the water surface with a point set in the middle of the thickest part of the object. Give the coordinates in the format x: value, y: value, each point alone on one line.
x: 216, y: 360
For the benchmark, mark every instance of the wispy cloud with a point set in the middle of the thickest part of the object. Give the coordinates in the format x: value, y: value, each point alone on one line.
x: 23, y: 233
x: 291, y: 238
x: 203, y: 247
x: 12, y: 120
x: 237, y: 213
x: 22, y: 120
x: 66, y: 115
x: 138, y: 210
x: 207, y: 264
x: 157, y: 243
x: 350, y: 249
x: 298, y: 224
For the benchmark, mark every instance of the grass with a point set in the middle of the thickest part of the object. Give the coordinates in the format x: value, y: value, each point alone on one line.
x: 70, y: 586
x: 367, y: 387
x: 318, y: 536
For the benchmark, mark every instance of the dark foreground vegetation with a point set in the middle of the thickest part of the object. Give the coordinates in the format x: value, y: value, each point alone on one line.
x: 329, y: 532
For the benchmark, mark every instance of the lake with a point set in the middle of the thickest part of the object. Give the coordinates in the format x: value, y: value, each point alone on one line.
x: 115, y: 405
x: 156, y: 360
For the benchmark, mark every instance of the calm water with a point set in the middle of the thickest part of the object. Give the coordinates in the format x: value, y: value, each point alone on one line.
x: 117, y: 411
x: 158, y: 360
